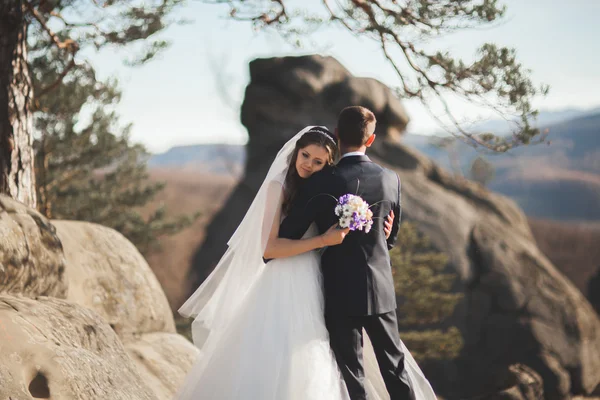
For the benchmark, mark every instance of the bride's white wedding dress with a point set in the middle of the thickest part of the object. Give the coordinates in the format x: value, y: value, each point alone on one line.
x: 260, y: 327
x: 278, y: 347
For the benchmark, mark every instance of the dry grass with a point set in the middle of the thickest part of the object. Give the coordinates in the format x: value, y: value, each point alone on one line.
x: 185, y: 192
x: 572, y: 247
x: 547, y: 173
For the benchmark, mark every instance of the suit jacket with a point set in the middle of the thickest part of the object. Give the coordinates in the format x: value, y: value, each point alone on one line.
x: 357, y: 274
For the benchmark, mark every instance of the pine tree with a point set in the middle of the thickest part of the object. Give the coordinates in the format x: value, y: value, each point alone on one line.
x: 87, y: 168
x: 424, y: 296
x: 16, y: 155
x: 61, y: 27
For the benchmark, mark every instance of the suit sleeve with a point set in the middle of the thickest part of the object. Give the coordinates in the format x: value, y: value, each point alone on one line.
x: 303, y: 211
x: 391, y: 241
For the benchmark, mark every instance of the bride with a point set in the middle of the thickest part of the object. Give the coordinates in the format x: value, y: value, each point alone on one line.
x: 260, y: 327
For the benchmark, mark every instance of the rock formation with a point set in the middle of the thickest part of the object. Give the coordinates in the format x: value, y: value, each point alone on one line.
x: 106, y: 273
x: 594, y: 290
x: 55, y: 349
x: 517, y: 382
x: 81, y: 314
x: 517, y: 307
x: 31, y: 259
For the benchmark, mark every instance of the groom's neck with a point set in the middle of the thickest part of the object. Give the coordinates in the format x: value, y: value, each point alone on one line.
x: 347, y: 149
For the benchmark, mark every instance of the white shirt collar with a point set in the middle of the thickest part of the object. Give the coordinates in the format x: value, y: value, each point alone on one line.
x: 354, y: 153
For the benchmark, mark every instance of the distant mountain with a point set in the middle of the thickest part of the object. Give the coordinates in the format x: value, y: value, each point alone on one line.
x: 214, y: 156
x: 559, y: 180
x: 571, y: 142
x: 209, y: 158
x: 544, y: 119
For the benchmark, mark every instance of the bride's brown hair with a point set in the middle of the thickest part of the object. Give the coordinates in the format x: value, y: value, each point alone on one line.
x: 318, y: 136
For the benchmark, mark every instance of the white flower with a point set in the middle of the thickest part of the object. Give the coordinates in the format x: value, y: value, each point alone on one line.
x: 344, y: 222
x: 354, y: 213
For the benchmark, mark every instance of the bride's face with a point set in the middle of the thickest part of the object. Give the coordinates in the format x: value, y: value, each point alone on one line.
x: 311, y: 159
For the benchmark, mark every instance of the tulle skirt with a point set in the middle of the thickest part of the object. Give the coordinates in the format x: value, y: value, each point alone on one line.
x: 277, y: 348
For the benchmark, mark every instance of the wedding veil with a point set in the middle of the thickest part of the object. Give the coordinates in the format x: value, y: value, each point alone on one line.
x: 215, y: 302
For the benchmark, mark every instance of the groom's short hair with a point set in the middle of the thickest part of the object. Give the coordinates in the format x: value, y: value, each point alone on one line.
x: 355, y: 125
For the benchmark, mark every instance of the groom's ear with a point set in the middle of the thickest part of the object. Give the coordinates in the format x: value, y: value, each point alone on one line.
x: 370, y: 140
x: 335, y: 132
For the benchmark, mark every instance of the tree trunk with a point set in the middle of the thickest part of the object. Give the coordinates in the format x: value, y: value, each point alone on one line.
x: 17, y: 177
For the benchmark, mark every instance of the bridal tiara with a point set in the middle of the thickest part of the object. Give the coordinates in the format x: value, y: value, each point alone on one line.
x: 324, y: 132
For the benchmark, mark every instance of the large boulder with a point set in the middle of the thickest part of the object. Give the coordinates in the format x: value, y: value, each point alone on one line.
x: 114, y: 311
x: 517, y: 307
x: 107, y: 274
x: 162, y: 360
x: 520, y: 302
x: 52, y: 348
x: 594, y: 290
x: 32, y: 262
x: 516, y: 382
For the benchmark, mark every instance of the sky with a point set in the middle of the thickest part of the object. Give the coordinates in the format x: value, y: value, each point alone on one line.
x: 192, y: 92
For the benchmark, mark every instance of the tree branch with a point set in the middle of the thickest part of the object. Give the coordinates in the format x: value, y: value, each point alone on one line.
x: 69, y: 45
x: 494, y: 80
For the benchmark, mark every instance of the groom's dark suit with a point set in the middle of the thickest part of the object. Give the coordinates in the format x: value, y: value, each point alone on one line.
x: 357, y: 276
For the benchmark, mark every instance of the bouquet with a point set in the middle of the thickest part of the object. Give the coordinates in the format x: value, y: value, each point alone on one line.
x: 354, y: 213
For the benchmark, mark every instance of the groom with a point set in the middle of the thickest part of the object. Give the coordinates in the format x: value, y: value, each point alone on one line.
x: 357, y: 275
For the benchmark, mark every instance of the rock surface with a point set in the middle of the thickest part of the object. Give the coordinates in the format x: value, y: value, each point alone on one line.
x: 32, y: 262
x: 162, y: 360
x: 52, y: 348
x: 594, y: 290
x: 517, y: 382
x: 111, y: 336
x: 517, y: 308
x: 106, y: 273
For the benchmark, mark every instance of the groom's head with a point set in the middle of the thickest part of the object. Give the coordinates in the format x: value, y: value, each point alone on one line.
x: 355, y: 128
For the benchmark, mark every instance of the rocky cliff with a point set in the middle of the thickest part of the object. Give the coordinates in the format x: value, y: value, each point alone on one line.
x: 82, y: 316
x: 517, y: 307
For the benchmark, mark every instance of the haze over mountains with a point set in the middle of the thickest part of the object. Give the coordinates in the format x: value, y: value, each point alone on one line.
x: 206, y: 158
x: 559, y: 180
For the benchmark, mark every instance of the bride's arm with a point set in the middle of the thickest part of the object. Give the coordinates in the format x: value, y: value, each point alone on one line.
x: 279, y: 247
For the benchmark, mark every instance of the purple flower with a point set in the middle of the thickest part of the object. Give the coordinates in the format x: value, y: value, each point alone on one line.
x: 354, y: 213
x: 344, y: 199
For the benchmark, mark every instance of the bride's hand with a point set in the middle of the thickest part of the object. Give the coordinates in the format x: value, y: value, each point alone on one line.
x: 334, y: 235
x: 387, y: 228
